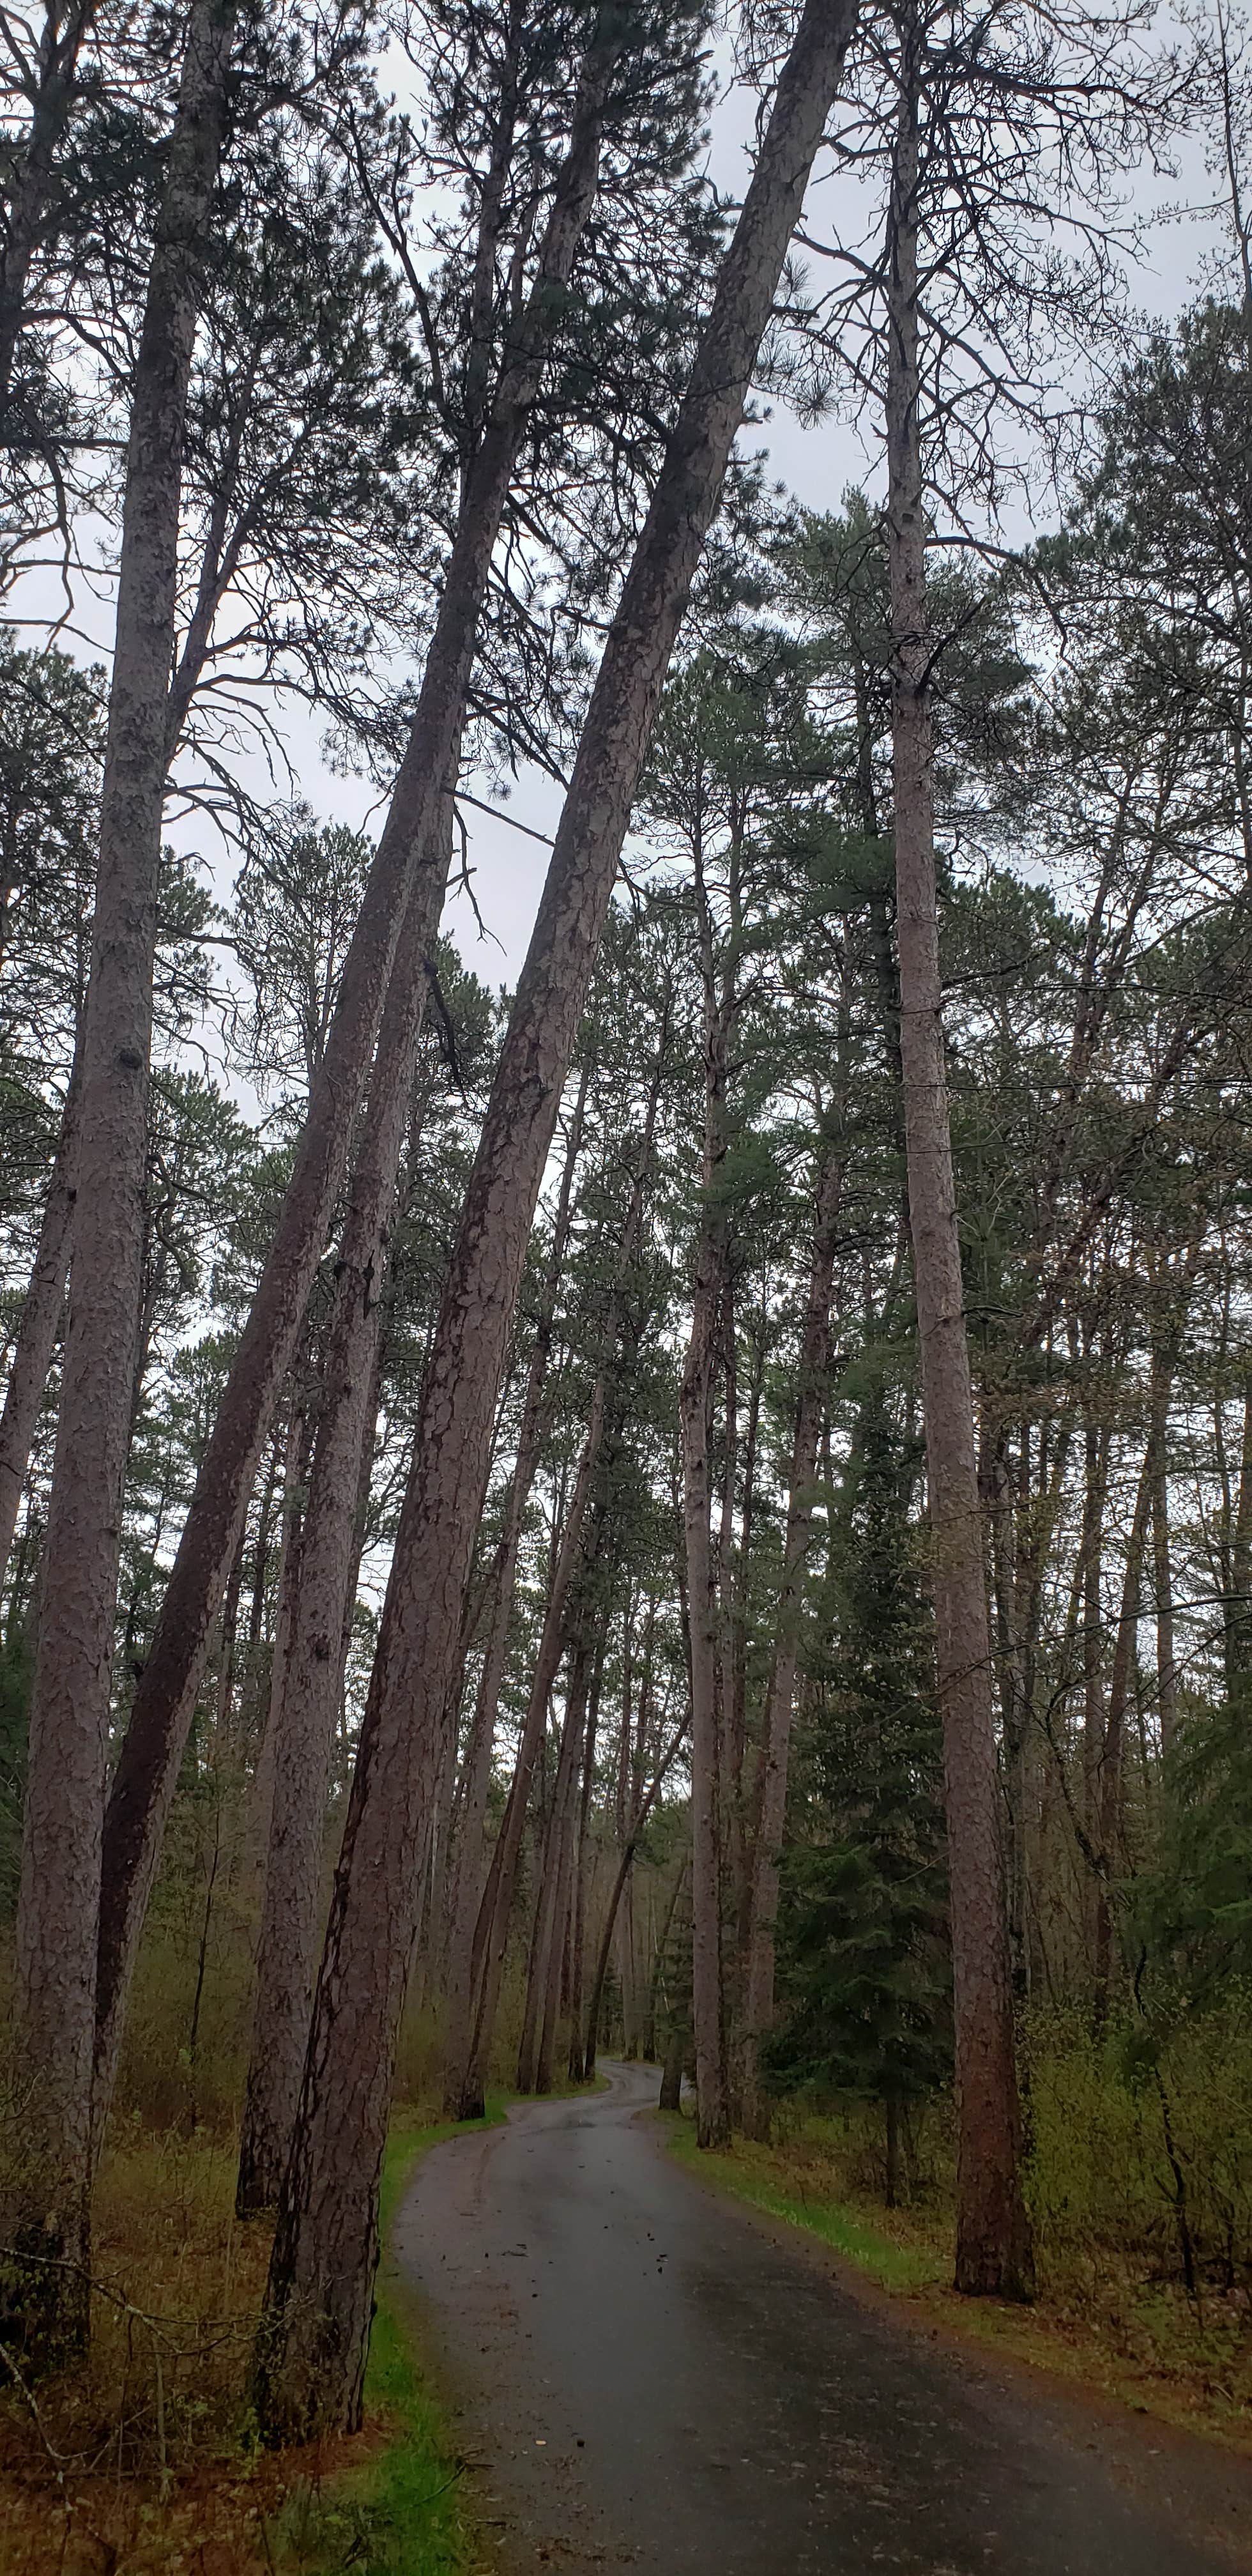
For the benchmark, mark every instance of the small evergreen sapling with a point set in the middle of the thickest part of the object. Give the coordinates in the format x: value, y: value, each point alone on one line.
x: 863, y: 1928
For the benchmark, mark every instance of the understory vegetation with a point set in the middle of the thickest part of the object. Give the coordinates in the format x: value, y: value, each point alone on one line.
x: 148, y: 2460
x: 1136, y: 2172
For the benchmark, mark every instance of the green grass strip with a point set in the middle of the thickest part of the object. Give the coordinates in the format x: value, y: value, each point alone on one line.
x: 895, y: 2267
x: 403, y: 2514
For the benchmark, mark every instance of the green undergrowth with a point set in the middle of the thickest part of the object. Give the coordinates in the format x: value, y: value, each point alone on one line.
x: 746, y: 2172
x: 1110, y: 2325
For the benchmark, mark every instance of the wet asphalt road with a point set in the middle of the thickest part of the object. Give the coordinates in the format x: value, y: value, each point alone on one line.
x: 643, y: 2378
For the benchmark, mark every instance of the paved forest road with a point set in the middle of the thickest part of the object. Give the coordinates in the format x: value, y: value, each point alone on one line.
x: 648, y: 2380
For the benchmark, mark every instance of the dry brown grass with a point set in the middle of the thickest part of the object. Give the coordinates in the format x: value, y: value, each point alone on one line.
x: 141, y: 2462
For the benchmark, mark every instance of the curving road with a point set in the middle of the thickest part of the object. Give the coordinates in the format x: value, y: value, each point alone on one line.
x: 645, y: 2377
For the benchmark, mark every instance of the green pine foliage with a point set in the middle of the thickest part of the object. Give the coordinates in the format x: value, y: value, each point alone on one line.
x: 864, y: 1972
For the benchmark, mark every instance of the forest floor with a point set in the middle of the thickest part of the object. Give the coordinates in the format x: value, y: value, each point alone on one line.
x: 143, y: 2464
x: 645, y: 2374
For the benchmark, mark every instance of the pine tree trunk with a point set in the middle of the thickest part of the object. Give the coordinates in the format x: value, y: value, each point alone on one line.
x: 730, y: 1821
x: 296, y: 1757
x: 695, y: 1406
x: 502, y: 1885
x: 58, y: 1905
x: 620, y: 1882
x: 1239, y: 1617
x: 260, y: 1800
x: 672, y: 2076
x: 1163, y: 1582
x: 993, y: 2238
x: 553, y: 1887
x: 996, y: 1489
x: 311, y: 2353
x: 737, y: 1720
x: 1092, y: 1584
x: 582, y: 1859
x: 711, y: 2099
x: 491, y: 1942
x: 558, y: 1955
x: 468, y: 1894
x: 147, y: 1770
x: 324, y: 1569
x: 1110, y: 1805
x: 36, y: 1335
x: 776, y: 1741
x: 603, y: 1955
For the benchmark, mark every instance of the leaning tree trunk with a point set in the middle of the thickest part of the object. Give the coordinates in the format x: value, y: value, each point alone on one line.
x: 147, y: 1771
x: 36, y: 1335
x: 59, y: 1901
x: 776, y: 1741
x: 314, y: 2337
x: 549, y: 1913
x: 625, y: 1865
x: 502, y: 1884
x: 468, y: 1888
x: 291, y: 1788
x: 498, y: 1898
x: 993, y: 2255
x: 323, y: 1568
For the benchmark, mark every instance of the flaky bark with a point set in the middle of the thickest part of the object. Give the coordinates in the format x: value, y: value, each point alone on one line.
x: 310, y: 1655
x: 581, y: 1874
x: 552, y: 1892
x: 468, y: 1892
x: 695, y: 1408
x: 59, y: 1898
x: 776, y: 1740
x: 502, y: 1884
x: 1163, y: 1587
x: 695, y: 1399
x: 315, y: 2332
x: 35, y: 1340
x: 147, y: 1770
x: 993, y: 2237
